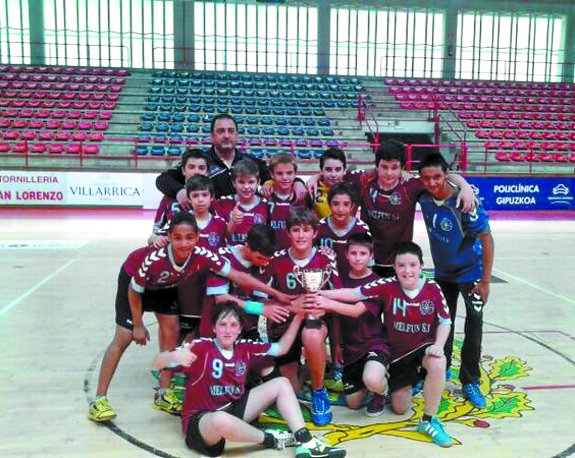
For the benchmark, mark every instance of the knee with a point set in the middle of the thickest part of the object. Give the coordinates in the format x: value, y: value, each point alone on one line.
x: 220, y: 421
x: 375, y: 383
x: 354, y: 402
x: 399, y: 407
x: 313, y: 337
x: 436, y: 366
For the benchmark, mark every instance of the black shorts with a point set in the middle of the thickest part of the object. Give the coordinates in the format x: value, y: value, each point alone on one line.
x: 293, y: 355
x: 407, y: 370
x: 189, y: 324
x: 163, y: 301
x: 353, y: 373
x: 194, y: 439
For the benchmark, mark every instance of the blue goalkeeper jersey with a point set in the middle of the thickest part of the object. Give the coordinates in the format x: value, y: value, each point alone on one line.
x: 453, y: 237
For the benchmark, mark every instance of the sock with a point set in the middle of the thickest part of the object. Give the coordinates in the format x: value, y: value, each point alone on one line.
x: 302, y: 435
x: 269, y: 440
x: 427, y: 417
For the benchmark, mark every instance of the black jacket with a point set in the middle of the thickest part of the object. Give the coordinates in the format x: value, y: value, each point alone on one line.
x: 172, y: 180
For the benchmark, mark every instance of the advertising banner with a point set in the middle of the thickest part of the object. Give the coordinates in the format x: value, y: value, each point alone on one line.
x: 525, y: 193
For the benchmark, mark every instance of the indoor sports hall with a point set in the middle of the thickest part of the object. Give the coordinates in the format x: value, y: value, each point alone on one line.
x: 98, y: 97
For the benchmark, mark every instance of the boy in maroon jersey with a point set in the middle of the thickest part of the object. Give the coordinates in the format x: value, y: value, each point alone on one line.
x: 191, y: 292
x: 388, y: 203
x: 365, y: 351
x: 252, y: 257
x: 148, y: 281
x: 283, y: 170
x: 335, y: 230
x: 212, y: 229
x: 245, y: 208
x: 417, y: 321
x: 193, y: 162
x: 302, y: 229
x: 217, y: 405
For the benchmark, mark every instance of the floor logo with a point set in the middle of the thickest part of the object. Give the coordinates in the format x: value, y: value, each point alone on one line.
x: 504, y: 401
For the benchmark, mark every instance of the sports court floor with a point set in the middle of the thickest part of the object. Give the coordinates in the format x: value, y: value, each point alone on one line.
x: 57, y: 288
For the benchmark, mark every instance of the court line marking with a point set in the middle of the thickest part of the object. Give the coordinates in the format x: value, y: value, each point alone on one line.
x: 537, y: 287
x: 19, y: 299
x: 548, y: 387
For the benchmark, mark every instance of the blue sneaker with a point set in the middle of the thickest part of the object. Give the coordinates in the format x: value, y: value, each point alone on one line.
x: 320, y: 408
x: 417, y: 387
x: 472, y: 392
x: 435, y: 429
x: 448, y: 375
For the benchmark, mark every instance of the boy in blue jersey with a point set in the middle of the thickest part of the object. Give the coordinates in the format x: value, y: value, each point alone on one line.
x: 462, y: 249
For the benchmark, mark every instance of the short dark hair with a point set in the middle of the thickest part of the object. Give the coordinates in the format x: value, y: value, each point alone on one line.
x: 223, y: 309
x: 183, y: 217
x: 434, y: 160
x: 199, y: 183
x: 390, y: 150
x: 193, y: 153
x: 245, y: 167
x: 262, y: 239
x: 342, y: 188
x: 333, y: 153
x: 222, y: 116
x: 301, y: 216
x: 360, y: 239
x: 407, y: 248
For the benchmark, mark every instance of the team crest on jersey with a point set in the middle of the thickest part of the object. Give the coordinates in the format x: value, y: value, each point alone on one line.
x: 395, y: 199
x: 373, y: 195
x: 446, y: 225
x: 240, y: 368
x: 426, y: 307
x: 213, y: 239
x: 258, y: 219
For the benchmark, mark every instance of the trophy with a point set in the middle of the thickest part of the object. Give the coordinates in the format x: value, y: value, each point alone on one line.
x: 312, y: 280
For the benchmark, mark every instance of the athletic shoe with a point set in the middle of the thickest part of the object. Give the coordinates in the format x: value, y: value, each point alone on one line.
x: 436, y: 431
x: 317, y: 448
x: 448, y: 375
x: 417, y: 387
x: 283, y: 438
x: 101, y: 410
x: 168, y: 402
x: 320, y: 408
x: 472, y: 392
x: 375, y: 406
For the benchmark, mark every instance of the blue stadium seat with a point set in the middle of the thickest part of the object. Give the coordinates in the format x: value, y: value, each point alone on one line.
x: 158, y: 150
x: 142, y: 150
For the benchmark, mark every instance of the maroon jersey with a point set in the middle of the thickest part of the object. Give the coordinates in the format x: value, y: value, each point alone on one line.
x: 280, y: 270
x: 215, y: 378
x: 409, y: 323
x: 390, y: 215
x: 365, y: 333
x: 278, y: 211
x: 165, y: 212
x: 254, y: 214
x: 213, y: 235
x: 154, y: 269
x: 218, y: 285
x: 329, y: 236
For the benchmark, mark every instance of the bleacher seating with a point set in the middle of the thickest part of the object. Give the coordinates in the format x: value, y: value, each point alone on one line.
x: 58, y: 110
x: 516, y: 121
x: 267, y: 107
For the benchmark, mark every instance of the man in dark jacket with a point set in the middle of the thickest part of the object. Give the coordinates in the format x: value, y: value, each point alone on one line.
x: 221, y: 157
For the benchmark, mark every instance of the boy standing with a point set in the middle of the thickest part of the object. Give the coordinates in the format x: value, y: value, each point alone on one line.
x: 388, y: 204
x: 244, y: 209
x: 302, y: 230
x: 282, y: 198
x: 462, y: 249
x: 335, y: 230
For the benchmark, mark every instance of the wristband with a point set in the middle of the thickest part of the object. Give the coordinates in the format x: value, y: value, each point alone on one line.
x: 253, y: 307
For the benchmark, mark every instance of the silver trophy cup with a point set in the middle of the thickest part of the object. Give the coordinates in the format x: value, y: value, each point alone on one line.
x: 312, y: 280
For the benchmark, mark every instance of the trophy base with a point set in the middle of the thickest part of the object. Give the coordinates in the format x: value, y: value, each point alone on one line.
x: 313, y: 323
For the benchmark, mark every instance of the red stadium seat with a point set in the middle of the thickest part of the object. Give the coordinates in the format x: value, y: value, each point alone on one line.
x: 55, y: 148
x: 91, y: 149
x: 4, y: 147
x: 502, y: 157
x: 38, y: 148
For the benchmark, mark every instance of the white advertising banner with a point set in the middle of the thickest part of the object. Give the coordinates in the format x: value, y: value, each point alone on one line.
x: 85, y: 189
